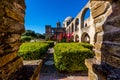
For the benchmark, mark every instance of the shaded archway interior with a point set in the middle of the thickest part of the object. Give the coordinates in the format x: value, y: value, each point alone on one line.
x: 85, y: 38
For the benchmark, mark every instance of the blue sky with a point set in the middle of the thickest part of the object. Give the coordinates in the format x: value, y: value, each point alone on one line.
x: 47, y: 12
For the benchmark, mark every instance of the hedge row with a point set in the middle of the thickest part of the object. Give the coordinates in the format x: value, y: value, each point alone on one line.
x: 71, y: 56
x: 86, y: 45
x: 26, y: 38
x: 51, y: 43
x: 32, y: 50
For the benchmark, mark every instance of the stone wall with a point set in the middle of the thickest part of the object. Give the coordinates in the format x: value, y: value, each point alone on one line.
x: 11, y: 26
x: 106, y: 64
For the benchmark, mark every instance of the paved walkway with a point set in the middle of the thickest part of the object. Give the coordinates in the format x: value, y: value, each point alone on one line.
x: 48, y: 71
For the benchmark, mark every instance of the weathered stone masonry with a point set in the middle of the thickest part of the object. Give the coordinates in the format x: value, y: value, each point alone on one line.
x: 106, y: 64
x: 106, y: 16
x: 11, y: 26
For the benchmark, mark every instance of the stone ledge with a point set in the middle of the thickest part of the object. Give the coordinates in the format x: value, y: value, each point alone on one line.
x: 36, y: 64
x: 98, y: 55
x: 90, y: 62
x: 103, y: 72
x: 29, y: 71
x: 106, y: 72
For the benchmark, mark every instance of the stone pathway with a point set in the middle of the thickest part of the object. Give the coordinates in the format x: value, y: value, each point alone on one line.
x: 48, y: 71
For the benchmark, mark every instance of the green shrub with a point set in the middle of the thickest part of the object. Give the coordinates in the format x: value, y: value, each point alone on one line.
x: 86, y: 45
x: 26, y: 38
x: 71, y: 56
x: 32, y: 50
x: 51, y: 43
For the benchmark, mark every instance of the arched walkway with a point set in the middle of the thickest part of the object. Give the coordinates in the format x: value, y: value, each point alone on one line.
x: 85, y: 14
x: 76, y: 24
x: 85, y: 38
x: 76, y: 38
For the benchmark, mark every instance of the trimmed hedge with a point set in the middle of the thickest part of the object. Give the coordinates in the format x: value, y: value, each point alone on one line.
x: 86, y: 45
x: 71, y: 56
x: 26, y: 38
x: 51, y: 43
x: 32, y: 50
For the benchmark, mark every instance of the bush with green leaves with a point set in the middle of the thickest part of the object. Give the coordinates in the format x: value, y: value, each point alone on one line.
x: 71, y: 56
x: 86, y: 45
x: 51, y: 43
x: 32, y: 50
x: 26, y: 38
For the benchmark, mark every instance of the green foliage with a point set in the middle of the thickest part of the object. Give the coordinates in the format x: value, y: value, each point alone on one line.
x: 29, y: 33
x: 63, y: 40
x: 33, y: 50
x: 26, y: 38
x: 70, y: 56
x: 40, y: 36
x: 51, y: 43
x: 86, y: 45
x: 33, y: 34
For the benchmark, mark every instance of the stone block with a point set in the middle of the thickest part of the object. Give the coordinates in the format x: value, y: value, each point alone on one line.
x: 115, y: 62
x: 92, y: 76
x: 2, y: 12
x: 6, y: 58
x: 98, y: 55
x: 115, y: 11
x: 98, y: 10
x: 107, y: 28
x: 12, y: 47
x: 12, y: 26
x: 1, y: 51
x: 7, y: 70
x: 100, y: 37
x: 1, y: 21
x: 89, y: 63
x: 99, y: 19
x: 20, y: 4
x: 111, y: 48
x: 93, y: 3
x: 15, y: 9
x: 113, y: 35
x: 110, y: 54
x: 98, y: 46
x: 9, y: 48
x: 99, y: 29
x: 12, y: 38
x: 95, y: 71
x: 14, y: 15
x: 106, y: 58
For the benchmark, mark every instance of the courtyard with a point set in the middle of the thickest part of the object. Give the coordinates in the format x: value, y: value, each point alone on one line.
x: 85, y: 49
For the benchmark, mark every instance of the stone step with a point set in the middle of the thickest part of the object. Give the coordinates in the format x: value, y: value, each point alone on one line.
x: 29, y: 71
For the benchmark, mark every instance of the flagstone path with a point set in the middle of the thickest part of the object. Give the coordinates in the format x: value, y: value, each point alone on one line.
x: 48, y: 71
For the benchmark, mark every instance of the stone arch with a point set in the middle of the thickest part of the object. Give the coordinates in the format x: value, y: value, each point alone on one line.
x: 76, y: 38
x: 77, y: 24
x: 83, y: 16
x: 85, y: 38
